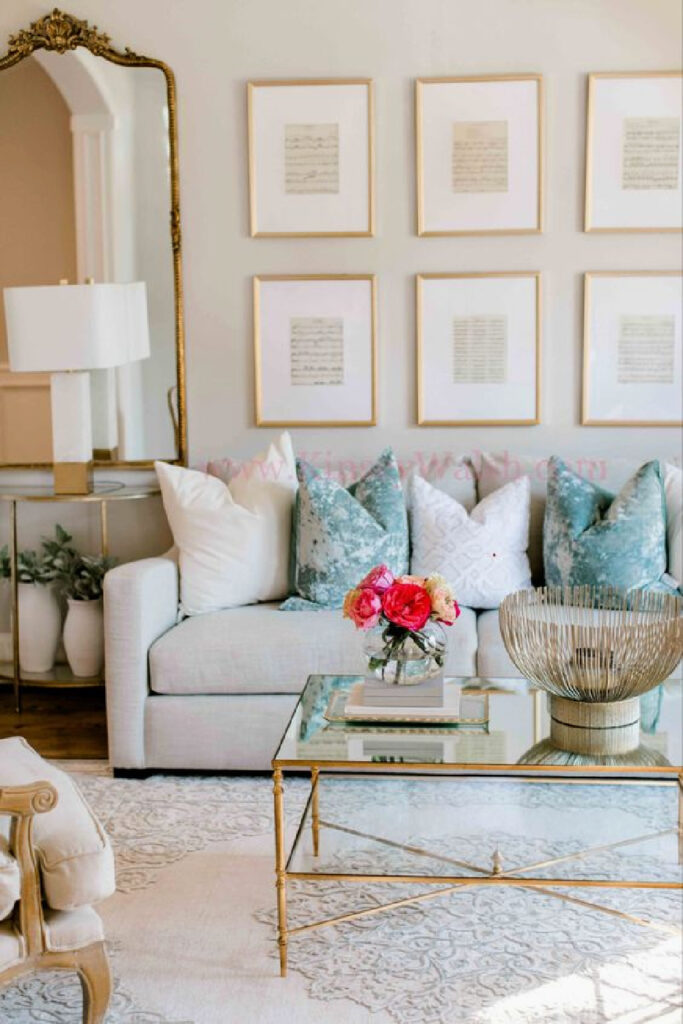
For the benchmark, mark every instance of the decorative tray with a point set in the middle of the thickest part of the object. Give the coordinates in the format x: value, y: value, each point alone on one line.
x: 459, y: 709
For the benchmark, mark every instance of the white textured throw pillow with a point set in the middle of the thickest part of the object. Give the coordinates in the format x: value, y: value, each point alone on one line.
x: 673, y: 485
x: 483, y: 554
x: 233, y: 539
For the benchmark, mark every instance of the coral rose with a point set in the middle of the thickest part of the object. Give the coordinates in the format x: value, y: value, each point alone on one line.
x: 444, y: 606
x: 363, y: 606
x: 378, y: 579
x: 407, y: 605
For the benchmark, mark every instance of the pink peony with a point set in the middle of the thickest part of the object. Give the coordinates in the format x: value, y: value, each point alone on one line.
x: 363, y: 606
x: 407, y: 605
x: 378, y: 579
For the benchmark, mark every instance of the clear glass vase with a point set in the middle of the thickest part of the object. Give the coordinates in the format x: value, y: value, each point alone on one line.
x: 408, y: 661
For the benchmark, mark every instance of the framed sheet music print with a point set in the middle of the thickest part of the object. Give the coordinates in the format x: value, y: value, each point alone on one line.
x: 633, y: 152
x: 311, y: 157
x: 315, y: 350
x: 478, y: 349
x: 632, y: 349
x: 479, y: 156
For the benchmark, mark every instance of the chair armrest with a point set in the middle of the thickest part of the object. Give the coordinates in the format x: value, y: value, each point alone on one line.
x: 140, y: 604
x: 21, y: 803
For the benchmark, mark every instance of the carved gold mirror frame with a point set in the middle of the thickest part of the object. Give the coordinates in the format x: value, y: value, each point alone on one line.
x: 61, y: 33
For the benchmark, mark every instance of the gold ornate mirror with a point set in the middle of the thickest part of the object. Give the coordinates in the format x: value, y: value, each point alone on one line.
x: 88, y: 175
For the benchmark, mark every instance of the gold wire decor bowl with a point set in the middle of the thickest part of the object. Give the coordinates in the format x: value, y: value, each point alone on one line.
x: 593, y: 644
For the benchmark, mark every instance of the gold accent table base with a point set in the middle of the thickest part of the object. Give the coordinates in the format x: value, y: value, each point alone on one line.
x: 600, y: 729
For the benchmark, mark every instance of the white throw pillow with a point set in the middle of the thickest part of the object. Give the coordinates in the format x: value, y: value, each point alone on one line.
x: 673, y: 485
x: 233, y: 539
x: 483, y: 554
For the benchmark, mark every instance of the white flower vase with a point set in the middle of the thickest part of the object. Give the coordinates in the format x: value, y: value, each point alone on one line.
x: 84, y: 637
x: 40, y: 626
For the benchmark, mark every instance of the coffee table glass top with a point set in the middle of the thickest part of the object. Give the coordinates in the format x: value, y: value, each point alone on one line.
x: 514, y: 736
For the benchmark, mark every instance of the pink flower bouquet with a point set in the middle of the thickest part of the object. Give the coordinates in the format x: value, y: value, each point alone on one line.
x: 404, y: 609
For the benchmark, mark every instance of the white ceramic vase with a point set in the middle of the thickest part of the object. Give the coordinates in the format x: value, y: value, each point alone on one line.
x: 84, y: 637
x: 40, y: 625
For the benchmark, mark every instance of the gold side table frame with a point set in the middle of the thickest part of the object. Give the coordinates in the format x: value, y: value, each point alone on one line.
x: 103, y: 493
x: 495, y: 874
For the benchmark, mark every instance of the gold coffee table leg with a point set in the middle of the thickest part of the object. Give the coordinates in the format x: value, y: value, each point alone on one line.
x: 315, y: 811
x: 281, y: 884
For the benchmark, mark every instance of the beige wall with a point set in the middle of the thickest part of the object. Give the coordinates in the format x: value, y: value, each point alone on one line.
x: 37, y: 235
x: 215, y: 46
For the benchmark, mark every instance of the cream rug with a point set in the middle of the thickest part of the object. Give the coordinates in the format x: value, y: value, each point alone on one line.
x: 191, y: 928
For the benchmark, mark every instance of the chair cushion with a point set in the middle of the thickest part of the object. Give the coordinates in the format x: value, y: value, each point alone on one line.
x: 11, y: 946
x: 10, y: 880
x: 493, y: 661
x: 259, y: 649
x: 75, y: 857
x: 72, y: 929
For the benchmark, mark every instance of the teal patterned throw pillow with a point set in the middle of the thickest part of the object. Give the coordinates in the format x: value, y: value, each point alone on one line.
x: 341, y: 533
x: 592, y: 537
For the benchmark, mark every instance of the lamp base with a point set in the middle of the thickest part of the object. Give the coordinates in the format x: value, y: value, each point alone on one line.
x: 73, y: 477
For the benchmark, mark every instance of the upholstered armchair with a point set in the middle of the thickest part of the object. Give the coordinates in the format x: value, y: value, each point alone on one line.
x: 55, y: 861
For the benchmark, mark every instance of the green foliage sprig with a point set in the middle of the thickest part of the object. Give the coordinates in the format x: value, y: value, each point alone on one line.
x: 40, y: 566
x: 81, y: 576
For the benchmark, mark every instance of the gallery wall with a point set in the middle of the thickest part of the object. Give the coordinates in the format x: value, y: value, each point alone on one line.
x: 216, y: 46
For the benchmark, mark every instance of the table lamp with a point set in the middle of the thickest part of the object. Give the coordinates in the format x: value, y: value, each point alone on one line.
x: 67, y: 330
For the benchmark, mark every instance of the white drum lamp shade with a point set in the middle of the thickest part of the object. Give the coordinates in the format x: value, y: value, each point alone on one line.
x: 68, y: 330
x: 76, y: 327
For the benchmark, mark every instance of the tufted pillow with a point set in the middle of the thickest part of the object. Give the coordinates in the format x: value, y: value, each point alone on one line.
x: 591, y: 537
x: 341, y: 533
x: 75, y: 857
x: 483, y: 554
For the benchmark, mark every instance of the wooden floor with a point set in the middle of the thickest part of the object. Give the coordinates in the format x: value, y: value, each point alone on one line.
x: 58, y: 723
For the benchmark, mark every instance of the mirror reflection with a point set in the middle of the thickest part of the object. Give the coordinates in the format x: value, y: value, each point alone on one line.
x: 85, y: 195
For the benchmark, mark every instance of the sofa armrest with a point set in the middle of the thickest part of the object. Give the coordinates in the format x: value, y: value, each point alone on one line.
x: 140, y: 604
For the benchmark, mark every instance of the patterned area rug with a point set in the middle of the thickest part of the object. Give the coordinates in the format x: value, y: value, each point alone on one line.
x: 191, y: 929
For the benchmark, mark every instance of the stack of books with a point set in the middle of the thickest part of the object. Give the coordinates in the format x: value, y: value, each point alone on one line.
x: 429, y: 694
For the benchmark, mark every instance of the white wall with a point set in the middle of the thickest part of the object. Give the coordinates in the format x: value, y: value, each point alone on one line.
x: 215, y: 46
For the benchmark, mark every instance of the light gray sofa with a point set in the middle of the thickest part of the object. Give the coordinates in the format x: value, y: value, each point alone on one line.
x: 215, y: 691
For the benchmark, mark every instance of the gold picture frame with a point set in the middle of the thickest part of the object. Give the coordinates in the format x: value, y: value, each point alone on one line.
x: 593, y: 78
x: 261, y: 420
x: 420, y: 83
x: 422, y: 421
x: 254, y: 229
x: 586, y: 421
x: 61, y: 33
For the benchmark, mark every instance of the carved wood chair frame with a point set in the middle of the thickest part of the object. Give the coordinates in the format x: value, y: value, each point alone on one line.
x: 22, y: 803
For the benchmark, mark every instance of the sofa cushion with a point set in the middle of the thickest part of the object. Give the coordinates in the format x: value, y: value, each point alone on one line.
x: 75, y: 857
x: 483, y: 554
x: 233, y: 540
x: 494, y: 469
x: 260, y: 649
x: 340, y: 533
x: 591, y: 537
x: 72, y: 929
x: 673, y: 485
x: 11, y: 945
x: 493, y: 661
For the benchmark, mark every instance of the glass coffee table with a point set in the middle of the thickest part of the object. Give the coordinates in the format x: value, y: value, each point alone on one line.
x: 588, y: 837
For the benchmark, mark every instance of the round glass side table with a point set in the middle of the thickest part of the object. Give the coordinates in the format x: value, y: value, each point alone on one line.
x: 103, y: 492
